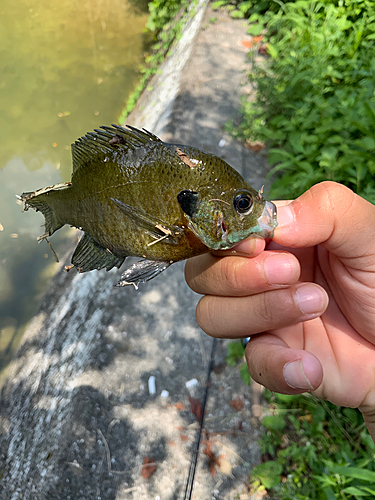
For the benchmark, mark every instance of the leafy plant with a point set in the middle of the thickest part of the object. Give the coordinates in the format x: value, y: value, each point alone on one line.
x: 164, y: 25
x: 315, y: 104
x: 255, y: 11
x: 235, y: 354
x: 315, y: 450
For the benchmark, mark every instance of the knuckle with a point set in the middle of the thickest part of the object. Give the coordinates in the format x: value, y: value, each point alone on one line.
x: 230, y: 276
x: 328, y: 194
x: 266, y: 309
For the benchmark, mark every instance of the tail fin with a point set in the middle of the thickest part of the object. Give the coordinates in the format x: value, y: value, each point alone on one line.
x: 40, y: 201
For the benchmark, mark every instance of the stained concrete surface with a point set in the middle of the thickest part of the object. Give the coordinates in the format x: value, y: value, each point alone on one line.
x: 76, y: 416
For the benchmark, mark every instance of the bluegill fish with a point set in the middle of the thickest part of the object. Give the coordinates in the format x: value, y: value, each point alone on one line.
x: 134, y: 195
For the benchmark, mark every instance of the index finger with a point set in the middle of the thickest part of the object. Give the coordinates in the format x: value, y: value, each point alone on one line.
x: 241, y: 276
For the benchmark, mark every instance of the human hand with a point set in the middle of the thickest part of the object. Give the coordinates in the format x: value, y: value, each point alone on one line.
x: 310, y: 295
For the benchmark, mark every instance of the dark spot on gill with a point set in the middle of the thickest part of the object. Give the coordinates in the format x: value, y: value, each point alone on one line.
x: 188, y: 201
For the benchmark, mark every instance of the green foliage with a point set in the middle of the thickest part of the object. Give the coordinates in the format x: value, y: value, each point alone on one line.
x: 162, y: 12
x: 315, y: 105
x: 246, y: 8
x: 268, y: 473
x: 317, y: 450
x: 244, y: 372
x: 254, y: 10
x: 167, y: 17
x: 235, y: 354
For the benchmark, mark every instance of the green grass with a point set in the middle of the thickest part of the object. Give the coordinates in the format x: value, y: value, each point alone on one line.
x: 313, y: 449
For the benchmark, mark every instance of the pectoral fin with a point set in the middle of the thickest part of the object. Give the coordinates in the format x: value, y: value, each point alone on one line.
x: 89, y: 255
x: 142, y: 271
x: 155, y: 227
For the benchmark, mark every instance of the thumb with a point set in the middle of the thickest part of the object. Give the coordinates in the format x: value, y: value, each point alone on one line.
x: 281, y: 369
x: 331, y: 215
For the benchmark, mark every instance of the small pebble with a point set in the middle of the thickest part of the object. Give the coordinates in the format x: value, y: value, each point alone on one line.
x: 190, y: 384
x: 152, y: 385
x: 164, y: 394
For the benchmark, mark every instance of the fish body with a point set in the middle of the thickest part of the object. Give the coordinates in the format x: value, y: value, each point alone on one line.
x: 134, y: 195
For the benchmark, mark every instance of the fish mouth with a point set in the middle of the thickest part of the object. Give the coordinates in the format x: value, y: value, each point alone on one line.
x: 267, y: 221
x: 221, y: 228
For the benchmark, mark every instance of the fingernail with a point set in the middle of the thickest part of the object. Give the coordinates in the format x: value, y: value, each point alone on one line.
x: 280, y: 269
x: 285, y: 216
x: 245, y: 247
x: 295, y: 376
x: 310, y: 299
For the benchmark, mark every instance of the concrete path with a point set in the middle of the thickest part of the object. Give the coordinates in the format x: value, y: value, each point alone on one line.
x: 77, y: 420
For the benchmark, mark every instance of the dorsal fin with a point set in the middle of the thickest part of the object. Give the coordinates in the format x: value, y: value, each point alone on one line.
x: 107, y: 141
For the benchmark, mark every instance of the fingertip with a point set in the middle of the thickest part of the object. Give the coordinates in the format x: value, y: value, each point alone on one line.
x: 311, y: 299
x: 304, y: 373
x: 251, y: 247
x: 282, y: 369
x: 281, y: 268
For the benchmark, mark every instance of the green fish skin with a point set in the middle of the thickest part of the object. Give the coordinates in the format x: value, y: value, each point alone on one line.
x: 134, y: 195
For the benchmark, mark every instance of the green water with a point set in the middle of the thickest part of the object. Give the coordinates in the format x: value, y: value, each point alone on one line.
x: 66, y: 67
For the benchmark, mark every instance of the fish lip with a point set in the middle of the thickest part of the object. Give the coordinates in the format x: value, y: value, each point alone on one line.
x: 267, y: 221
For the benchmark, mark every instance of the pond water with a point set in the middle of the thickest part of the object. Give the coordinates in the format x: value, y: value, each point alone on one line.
x: 67, y: 67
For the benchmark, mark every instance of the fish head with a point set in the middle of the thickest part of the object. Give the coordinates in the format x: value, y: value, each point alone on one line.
x: 221, y: 220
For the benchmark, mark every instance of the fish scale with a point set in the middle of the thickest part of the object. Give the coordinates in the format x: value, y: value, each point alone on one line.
x: 134, y: 195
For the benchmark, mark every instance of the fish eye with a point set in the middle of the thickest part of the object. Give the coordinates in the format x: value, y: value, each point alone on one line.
x: 242, y: 203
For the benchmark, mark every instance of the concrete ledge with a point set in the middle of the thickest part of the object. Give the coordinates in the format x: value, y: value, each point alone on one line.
x: 154, y: 107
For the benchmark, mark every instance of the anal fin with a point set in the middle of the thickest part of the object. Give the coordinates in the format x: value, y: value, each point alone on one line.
x: 89, y: 255
x: 141, y: 271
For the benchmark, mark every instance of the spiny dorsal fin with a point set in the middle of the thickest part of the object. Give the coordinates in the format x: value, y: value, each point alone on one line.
x: 103, y: 143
